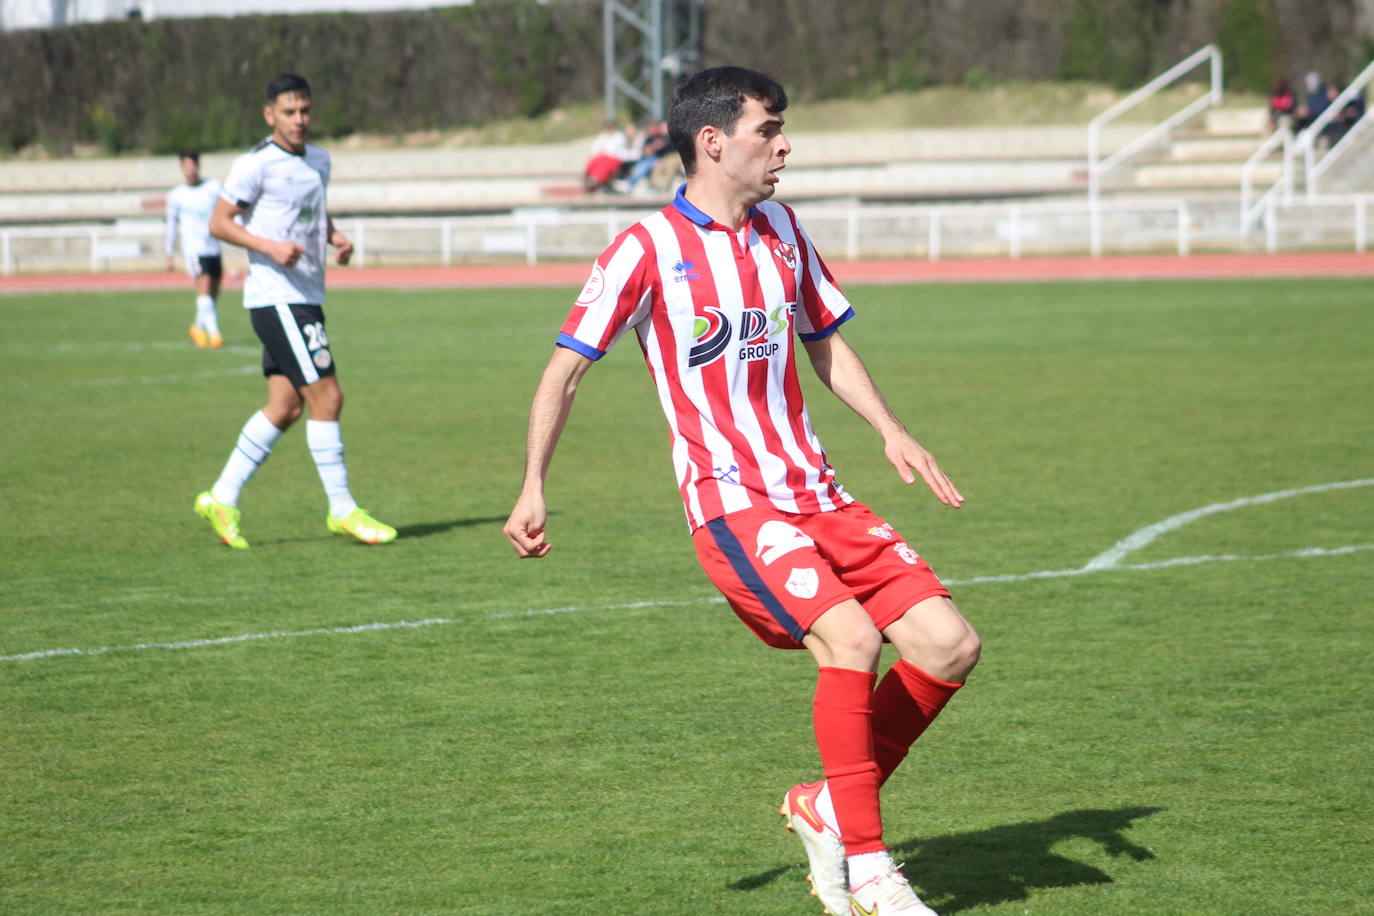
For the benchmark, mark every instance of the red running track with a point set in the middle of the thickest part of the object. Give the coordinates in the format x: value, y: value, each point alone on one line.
x: 980, y: 270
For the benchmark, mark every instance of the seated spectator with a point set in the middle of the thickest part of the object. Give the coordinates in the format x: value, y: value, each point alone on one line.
x: 1315, y: 101
x: 656, y: 146
x: 609, y: 150
x: 1282, y: 104
x: 1340, y: 125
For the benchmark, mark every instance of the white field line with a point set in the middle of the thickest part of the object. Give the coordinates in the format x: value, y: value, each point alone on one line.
x: 1112, y: 557
x: 79, y: 347
x: 159, y: 379
x: 1108, y: 561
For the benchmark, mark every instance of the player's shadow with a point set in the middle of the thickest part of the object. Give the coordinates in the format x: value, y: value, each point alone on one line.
x: 1003, y: 864
x: 425, y: 529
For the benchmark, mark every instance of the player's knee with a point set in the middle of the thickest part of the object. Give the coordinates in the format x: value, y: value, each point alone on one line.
x: 282, y: 415
x: 955, y: 658
x: 857, y: 648
x: 966, y: 654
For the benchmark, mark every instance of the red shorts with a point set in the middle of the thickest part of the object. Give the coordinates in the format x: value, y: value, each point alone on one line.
x: 781, y: 572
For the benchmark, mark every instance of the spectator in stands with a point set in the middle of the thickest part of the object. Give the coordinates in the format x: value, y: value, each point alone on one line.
x: 656, y: 145
x: 1314, y: 103
x: 1340, y: 124
x: 609, y: 150
x: 1282, y: 104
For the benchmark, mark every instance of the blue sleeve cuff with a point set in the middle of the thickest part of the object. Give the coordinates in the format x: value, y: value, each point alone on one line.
x: 826, y: 332
x: 577, y: 346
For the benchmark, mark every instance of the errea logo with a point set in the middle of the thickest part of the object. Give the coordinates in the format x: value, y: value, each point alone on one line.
x: 685, y: 271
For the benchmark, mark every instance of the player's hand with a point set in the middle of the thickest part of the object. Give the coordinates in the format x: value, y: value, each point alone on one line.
x: 907, y: 455
x: 285, y: 253
x: 525, y: 527
x: 344, y: 246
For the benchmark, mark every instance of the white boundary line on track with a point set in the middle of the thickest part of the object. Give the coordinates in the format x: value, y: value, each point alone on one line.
x: 1107, y: 561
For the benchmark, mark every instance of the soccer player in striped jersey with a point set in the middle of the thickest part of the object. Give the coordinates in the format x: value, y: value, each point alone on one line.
x: 273, y: 204
x: 189, y: 206
x: 717, y: 287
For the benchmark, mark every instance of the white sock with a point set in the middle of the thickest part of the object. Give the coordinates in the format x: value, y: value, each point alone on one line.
x: 254, y: 445
x: 326, y: 447
x: 867, y: 865
x: 825, y: 807
x: 206, y: 319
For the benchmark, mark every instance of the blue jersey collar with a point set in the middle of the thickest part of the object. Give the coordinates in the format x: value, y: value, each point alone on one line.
x: 693, y: 213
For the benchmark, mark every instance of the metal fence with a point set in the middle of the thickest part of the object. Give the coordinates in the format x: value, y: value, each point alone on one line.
x: 849, y: 231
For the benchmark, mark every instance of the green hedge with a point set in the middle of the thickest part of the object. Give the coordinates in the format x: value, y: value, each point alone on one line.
x: 172, y: 83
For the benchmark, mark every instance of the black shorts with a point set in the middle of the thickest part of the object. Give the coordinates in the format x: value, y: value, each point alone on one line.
x: 293, y: 342
x: 211, y: 266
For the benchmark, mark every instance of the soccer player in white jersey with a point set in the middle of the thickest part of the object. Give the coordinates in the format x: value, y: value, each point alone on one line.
x: 189, y: 206
x: 273, y: 204
x: 717, y: 287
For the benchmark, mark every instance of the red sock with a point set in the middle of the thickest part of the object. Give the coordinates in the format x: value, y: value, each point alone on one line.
x: 905, y: 703
x: 843, y: 715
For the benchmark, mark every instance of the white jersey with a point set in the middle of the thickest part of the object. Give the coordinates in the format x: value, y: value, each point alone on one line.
x: 716, y: 314
x: 283, y: 196
x: 188, y: 215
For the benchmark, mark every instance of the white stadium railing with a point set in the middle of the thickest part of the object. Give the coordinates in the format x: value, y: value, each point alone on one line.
x: 851, y: 232
x: 1358, y: 204
x: 1250, y: 208
x: 841, y: 231
x: 1099, y: 166
x: 1313, y: 168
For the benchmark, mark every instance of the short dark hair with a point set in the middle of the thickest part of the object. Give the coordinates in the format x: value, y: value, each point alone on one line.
x: 716, y: 97
x: 286, y: 83
x: 192, y: 154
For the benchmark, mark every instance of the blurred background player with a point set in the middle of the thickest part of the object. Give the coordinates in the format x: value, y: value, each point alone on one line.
x: 278, y: 189
x: 718, y: 286
x: 189, y: 207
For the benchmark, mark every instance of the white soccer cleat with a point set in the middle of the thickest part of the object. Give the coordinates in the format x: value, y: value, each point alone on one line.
x: 887, y: 894
x: 829, y: 876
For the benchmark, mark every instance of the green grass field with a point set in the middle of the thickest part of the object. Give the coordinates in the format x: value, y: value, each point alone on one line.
x: 594, y: 733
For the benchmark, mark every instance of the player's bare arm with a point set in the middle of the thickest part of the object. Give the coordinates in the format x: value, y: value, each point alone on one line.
x: 343, y: 247
x: 224, y: 227
x: 553, y: 400
x: 844, y: 373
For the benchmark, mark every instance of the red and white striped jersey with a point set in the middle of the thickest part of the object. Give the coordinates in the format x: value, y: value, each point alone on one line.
x: 715, y: 312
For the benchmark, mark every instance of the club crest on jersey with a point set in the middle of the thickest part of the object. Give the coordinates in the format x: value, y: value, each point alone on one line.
x: 903, y: 550
x: 777, y: 539
x: 883, y: 531
x: 596, y: 284
x: 787, y: 254
x: 685, y: 270
x: 804, y: 583
x: 322, y: 359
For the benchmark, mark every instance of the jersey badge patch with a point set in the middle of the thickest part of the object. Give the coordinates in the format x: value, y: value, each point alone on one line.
x: 883, y: 531
x: 903, y: 550
x: 787, y: 254
x: 596, y: 285
x: 777, y: 539
x: 803, y: 583
x: 322, y: 359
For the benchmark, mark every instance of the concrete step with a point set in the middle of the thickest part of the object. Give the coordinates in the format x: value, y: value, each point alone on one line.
x: 160, y: 173
x: 1213, y: 149
x: 1248, y: 121
x: 1201, y: 174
